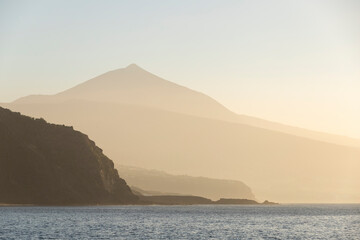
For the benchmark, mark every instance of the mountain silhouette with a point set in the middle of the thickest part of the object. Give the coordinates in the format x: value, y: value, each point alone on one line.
x: 162, y: 183
x: 144, y: 121
x: 133, y: 85
x: 136, y: 86
x: 42, y: 163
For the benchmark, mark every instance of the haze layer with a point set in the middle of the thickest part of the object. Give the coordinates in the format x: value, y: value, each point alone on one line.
x: 142, y: 120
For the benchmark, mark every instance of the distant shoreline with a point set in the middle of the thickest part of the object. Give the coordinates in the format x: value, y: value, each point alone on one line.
x: 140, y: 204
x: 154, y: 204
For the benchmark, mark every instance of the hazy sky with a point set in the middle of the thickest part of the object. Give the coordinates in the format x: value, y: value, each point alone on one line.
x: 296, y: 62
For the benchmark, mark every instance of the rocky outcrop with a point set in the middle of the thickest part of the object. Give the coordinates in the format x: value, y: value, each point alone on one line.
x: 42, y: 163
x: 235, y: 201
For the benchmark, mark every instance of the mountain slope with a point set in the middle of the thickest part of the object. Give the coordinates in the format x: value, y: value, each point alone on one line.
x: 277, y: 166
x: 43, y: 163
x: 145, y: 121
x: 135, y: 86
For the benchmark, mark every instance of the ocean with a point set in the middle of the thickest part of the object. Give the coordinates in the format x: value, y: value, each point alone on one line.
x: 182, y: 222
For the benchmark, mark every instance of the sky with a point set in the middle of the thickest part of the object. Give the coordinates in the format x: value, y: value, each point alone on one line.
x: 294, y: 62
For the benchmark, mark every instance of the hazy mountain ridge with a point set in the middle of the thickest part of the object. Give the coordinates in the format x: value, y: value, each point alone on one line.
x: 180, y: 144
x: 42, y: 163
x: 297, y: 131
x: 159, y: 183
x: 135, y: 86
x: 279, y: 162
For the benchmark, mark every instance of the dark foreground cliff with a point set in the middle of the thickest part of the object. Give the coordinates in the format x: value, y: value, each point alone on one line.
x: 47, y: 164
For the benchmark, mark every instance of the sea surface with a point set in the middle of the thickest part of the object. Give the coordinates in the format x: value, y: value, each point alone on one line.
x: 182, y: 222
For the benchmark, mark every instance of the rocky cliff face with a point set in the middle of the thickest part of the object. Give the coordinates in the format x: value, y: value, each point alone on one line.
x: 42, y: 163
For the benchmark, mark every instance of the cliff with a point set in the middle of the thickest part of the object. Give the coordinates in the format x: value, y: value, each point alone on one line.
x: 48, y: 164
